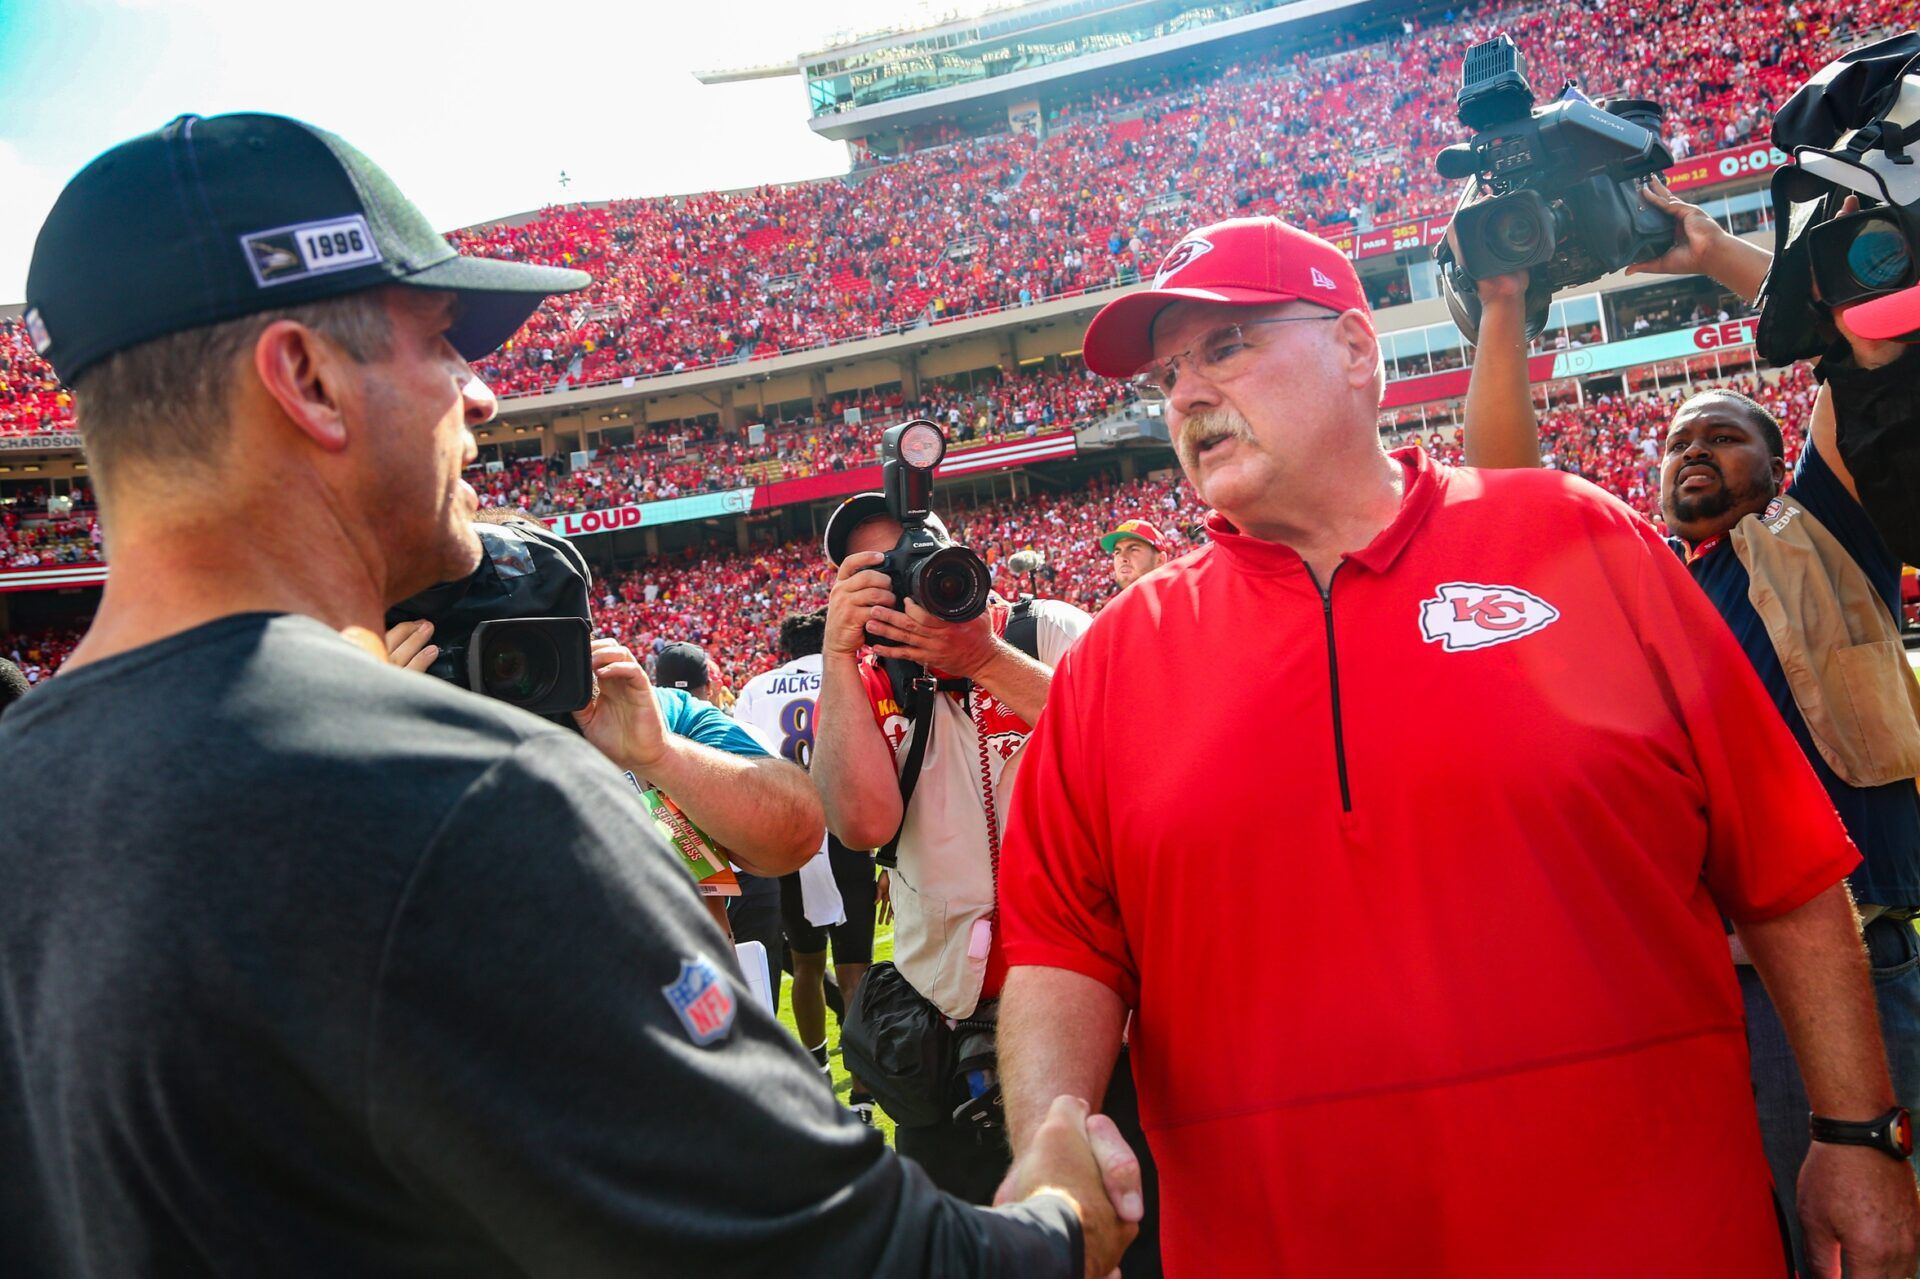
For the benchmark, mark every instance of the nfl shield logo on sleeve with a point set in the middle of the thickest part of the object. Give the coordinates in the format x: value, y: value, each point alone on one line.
x: 700, y: 999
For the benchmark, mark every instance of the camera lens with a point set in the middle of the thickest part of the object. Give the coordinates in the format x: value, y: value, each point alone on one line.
x: 1513, y: 233
x: 1878, y: 256
x: 952, y: 584
x: 519, y: 666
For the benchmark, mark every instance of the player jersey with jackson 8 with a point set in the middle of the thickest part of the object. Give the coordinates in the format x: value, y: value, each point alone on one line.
x: 942, y: 889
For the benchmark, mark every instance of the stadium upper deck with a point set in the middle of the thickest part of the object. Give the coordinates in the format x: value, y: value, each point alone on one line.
x: 781, y: 295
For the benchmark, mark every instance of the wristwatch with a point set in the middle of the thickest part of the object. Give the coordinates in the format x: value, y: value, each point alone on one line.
x: 1891, y: 1134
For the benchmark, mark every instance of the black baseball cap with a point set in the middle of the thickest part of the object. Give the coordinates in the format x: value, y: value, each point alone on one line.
x: 854, y: 512
x: 681, y: 666
x: 207, y: 220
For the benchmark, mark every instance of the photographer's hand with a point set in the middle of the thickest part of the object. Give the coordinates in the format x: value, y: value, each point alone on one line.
x: 407, y: 645
x: 970, y: 650
x: 623, y: 720
x: 858, y: 589
x: 957, y: 648
x: 1702, y: 246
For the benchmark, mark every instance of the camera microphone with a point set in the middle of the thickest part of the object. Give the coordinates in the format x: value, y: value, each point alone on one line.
x: 1457, y: 161
x: 1023, y: 562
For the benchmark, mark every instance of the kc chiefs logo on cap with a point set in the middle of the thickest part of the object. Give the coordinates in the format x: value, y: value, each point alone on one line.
x: 1468, y: 615
x: 1180, y: 257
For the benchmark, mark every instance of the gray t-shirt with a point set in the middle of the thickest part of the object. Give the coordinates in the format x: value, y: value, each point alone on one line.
x: 312, y: 966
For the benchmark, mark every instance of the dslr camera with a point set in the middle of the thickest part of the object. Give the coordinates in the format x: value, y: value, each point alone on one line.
x: 950, y: 581
x: 517, y: 628
x: 1554, y: 190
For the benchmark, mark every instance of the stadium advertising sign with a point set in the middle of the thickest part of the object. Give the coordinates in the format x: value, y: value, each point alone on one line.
x: 40, y: 443
x: 671, y: 511
x: 1699, y: 171
x: 1586, y: 361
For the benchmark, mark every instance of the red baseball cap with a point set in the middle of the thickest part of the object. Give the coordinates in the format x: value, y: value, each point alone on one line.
x: 1242, y: 262
x: 1893, y: 318
x: 1140, y: 531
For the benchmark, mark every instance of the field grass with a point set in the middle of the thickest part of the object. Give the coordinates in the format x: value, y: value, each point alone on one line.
x: 882, y: 950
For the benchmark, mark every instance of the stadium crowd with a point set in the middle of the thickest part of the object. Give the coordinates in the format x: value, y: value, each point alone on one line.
x: 731, y: 603
x: 1335, y: 137
x: 699, y: 458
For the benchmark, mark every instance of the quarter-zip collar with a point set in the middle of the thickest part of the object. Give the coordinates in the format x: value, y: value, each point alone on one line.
x: 1424, y: 487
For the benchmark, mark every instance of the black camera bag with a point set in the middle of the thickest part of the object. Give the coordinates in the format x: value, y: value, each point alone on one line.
x: 900, y: 1047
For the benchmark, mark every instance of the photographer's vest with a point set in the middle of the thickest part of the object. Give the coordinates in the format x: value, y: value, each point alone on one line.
x: 1838, y: 645
x: 941, y: 879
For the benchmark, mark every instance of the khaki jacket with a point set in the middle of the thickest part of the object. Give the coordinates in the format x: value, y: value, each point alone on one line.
x: 1837, y: 643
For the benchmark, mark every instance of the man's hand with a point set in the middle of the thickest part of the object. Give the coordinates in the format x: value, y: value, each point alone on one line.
x: 1702, y: 246
x: 883, y: 900
x: 1696, y: 240
x: 958, y: 648
x: 407, y: 645
x: 623, y: 720
x: 858, y: 589
x: 1084, y: 1158
x: 1503, y: 290
x: 1859, y: 1206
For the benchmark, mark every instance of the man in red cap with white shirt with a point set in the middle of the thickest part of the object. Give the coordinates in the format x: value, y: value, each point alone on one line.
x: 1137, y: 548
x: 1460, y: 1019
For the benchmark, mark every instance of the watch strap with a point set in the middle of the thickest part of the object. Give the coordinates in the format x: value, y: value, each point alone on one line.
x: 1891, y: 1133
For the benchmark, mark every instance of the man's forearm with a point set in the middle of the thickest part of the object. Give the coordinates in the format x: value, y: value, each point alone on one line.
x: 763, y: 810
x: 1017, y: 680
x: 1815, y: 970
x: 1059, y: 1033
x: 852, y: 765
x: 1739, y: 265
x: 1500, y: 428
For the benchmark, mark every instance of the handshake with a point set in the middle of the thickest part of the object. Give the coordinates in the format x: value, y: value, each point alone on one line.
x: 1083, y: 1158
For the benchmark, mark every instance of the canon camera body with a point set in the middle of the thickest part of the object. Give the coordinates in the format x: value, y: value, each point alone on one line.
x: 947, y: 579
x: 1554, y: 190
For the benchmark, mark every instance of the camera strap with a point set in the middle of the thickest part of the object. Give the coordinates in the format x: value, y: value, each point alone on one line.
x: 1023, y: 632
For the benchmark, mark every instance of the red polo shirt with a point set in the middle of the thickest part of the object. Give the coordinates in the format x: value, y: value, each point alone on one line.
x: 1418, y: 896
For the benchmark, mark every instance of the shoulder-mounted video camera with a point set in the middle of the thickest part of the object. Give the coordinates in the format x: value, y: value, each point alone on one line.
x: 1554, y: 190
x: 1852, y: 130
x: 519, y: 627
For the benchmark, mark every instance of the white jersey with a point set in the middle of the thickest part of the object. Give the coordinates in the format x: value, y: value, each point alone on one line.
x: 779, y: 707
x: 781, y: 703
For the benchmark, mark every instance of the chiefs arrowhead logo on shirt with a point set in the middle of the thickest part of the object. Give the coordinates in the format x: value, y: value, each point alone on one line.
x: 1180, y: 257
x: 1468, y: 615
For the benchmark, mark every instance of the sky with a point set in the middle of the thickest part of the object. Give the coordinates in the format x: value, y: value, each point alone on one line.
x: 474, y: 107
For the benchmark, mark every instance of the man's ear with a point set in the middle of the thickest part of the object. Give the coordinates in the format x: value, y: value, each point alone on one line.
x: 303, y: 373
x: 1360, y: 347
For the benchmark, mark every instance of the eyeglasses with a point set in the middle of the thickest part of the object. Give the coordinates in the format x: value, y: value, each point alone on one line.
x: 1214, y: 354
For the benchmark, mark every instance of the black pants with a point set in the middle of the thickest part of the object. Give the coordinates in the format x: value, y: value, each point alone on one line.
x: 755, y: 916
x: 972, y: 1169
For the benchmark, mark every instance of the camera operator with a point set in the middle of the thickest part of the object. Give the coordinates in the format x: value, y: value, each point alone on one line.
x: 1558, y: 1011
x: 1811, y: 592
x: 762, y: 810
x: 960, y: 740
x: 321, y: 968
